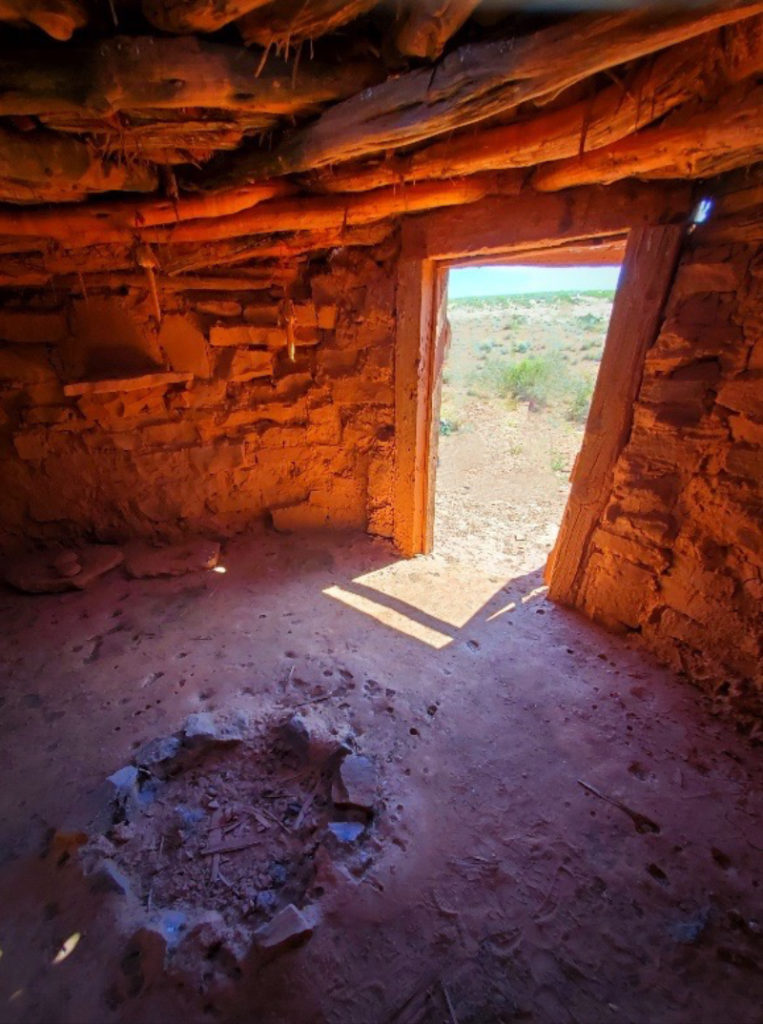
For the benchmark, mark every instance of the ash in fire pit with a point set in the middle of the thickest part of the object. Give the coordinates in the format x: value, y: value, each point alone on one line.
x: 211, y: 837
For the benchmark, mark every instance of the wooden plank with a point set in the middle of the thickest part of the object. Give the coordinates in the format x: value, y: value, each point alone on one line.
x: 413, y: 350
x: 440, y: 342
x: 542, y: 220
x: 646, y: 278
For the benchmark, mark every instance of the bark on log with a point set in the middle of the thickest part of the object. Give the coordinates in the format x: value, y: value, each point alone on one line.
x: 58, y: 18
x: 163, y: 136
x: 429, y: 24
x: 196, y: 15
x: 328, y: 212
x: 44, y: 167
x: 699, y: 68
x: 479, y: 81
x: 80, y: 229
x: 712, y: 140
x: 170, y: 74
x: 180, y: 259
x: 109, y: 223
x: 286, y: 23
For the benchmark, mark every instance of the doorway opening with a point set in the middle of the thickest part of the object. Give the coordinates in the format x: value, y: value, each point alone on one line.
x: 524, y: 348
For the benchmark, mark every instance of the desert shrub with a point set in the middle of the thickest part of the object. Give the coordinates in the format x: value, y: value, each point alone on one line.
x: 578, y: 398
x: 543, y: 380
x: 590, y: 322
x: 527, y: 380
x: 449, y: 426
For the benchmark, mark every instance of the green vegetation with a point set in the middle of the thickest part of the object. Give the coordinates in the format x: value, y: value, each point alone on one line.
x: 542, y: 380
x: 513, y: 301
x: 449, y: 426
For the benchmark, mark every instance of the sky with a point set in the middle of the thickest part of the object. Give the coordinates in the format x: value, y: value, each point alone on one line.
x: 471, y: 282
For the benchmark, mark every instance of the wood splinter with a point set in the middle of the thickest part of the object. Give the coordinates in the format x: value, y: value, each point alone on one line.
x: 289, y: 318
x: 145, y: 258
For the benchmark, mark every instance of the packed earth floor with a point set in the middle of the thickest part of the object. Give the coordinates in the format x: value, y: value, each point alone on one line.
x: 558, y: 830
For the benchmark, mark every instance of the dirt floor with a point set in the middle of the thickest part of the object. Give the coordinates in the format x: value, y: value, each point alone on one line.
x: 484, y: 883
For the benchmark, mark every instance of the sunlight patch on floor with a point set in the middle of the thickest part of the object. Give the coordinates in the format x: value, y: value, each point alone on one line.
x: 390, y: 617
x: 454, y: 594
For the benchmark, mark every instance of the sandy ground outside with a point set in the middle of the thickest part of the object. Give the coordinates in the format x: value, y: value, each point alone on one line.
x: 503, y: 472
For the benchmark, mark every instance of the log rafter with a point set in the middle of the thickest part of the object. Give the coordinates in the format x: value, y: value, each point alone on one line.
x: 699, y: 68
x: 590, y: 99
x: 155, y: 74
x: 476, y: 82
x: 57, y: 18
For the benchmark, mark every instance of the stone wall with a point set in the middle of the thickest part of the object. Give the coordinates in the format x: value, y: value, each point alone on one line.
x: 231, y: 430
x: 678, y: 553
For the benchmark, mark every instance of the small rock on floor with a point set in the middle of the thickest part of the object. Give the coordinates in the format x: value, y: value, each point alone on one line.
x: 288, y: 928
x: 52, y: 572
x: 143, y: 560
x: 355, y: 783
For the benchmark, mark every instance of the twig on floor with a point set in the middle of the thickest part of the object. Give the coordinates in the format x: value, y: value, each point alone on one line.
x: 640, y: 821
x: 448, y: 1003
x: 316, y: 700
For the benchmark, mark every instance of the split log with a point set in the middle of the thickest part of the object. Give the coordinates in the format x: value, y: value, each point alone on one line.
x: 479, y: 81
x: 145, y: 73
x: 318, y: 213
x: 429, y: 24
x: 179, y: 259
x: 57, y: 18
x: 109, y: 223
x: 112, y: 267
x: 163, y: 136
x: 535, y: 220
x: 196, y: 15
x: 44, y: 167
x: 699, y: 68
x: 79, y: 228
x: 711, y: 140
x: 287, y: 23
x: 587, y: 252
x: 650, y: 262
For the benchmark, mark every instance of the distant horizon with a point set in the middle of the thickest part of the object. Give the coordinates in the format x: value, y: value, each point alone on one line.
x: 495, y: 281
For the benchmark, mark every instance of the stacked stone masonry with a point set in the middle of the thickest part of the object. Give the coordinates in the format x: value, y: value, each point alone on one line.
x: 114, y: 426
x: 678, y: 552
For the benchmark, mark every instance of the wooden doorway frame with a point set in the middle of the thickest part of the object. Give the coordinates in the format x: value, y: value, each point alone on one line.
x: 501, y: 230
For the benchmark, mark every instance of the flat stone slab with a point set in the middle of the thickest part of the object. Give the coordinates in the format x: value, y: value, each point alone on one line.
x: 355, y: 783
x: 143, y: 560
x: 52, y: 572
x: 288, y: 928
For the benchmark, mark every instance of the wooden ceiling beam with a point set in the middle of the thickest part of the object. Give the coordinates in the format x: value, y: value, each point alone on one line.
x: 216, y: 217
x: 115, y: 223
x: 709, y: 141
x: 476, y: 82
x: 57, y: 18
x: 701, y: 67
x: 43, y: 167
x: 284, y: 24
x: 184, y: 16
x: 155, y: 74
x: 429, y: 24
